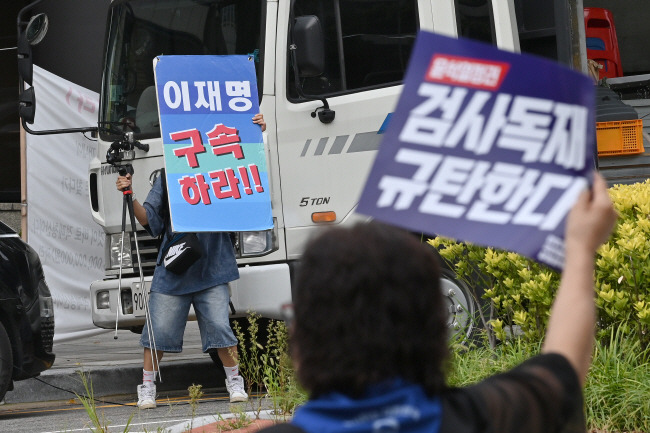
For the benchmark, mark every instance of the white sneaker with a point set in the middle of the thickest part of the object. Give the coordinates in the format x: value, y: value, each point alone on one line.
x: 235, y: 387
x: 146, y: 396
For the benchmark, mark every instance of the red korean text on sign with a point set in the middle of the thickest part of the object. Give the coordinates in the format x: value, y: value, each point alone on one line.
x: 189, y: 151
x: 225, y: 184
x: 225, y: 140
x: 195, y: 189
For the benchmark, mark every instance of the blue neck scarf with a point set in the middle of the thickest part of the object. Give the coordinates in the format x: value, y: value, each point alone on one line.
x: 390, y: 407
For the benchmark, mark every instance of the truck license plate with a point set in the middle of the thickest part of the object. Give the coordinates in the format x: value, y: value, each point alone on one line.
x: 140, y: 298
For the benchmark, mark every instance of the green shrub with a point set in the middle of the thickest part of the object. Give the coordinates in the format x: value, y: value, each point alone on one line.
x: 279, y: 374
x: 519, y: 291
x: 623, y: 266
x: 266, y: 366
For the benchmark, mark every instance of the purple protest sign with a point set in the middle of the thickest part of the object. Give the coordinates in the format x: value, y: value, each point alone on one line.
x: 485, y: 146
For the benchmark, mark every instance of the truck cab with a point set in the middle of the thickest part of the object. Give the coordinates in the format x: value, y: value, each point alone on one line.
x: 329, y: 75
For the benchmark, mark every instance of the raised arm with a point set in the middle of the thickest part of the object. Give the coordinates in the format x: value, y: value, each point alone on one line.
x: 573, y: 315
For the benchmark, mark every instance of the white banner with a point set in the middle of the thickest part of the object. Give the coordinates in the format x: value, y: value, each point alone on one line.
x: 59, y: 225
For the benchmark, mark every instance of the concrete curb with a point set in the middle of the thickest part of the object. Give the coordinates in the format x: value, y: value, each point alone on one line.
x: 62, y: 383
x: 212, y: 419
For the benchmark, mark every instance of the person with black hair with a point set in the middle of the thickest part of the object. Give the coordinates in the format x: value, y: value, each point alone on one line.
x: 204, y: 285
x: 370, y: 345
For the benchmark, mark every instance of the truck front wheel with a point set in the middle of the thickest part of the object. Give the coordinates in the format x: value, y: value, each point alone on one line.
x: 461, y: 306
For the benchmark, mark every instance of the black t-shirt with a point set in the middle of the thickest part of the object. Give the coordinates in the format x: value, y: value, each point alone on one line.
x: 542, y: 395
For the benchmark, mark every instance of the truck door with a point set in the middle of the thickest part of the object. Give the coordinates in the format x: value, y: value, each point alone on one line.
x: 366, y: 47
x: 490, y: 21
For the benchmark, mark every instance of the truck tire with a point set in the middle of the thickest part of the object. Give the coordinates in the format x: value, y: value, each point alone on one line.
x: 463, y: 321
x: 6, y: 362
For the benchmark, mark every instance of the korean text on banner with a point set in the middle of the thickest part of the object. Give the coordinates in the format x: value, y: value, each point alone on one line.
x: 485, y: 146
x: 214, y: 154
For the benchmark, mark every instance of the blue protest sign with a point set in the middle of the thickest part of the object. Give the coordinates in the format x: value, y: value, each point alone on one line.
x: 485, y: 146
x: 214, y: 154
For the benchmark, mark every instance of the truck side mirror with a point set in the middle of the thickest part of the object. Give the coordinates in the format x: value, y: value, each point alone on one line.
x: 25, y: 66
x: 308, y: 59
x: 27, y: 105
x: 33, y: 34
x: 309, y: 45
x: 36, y: 29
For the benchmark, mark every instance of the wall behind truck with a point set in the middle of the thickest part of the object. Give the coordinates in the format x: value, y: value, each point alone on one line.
x: 632, y: 21
x: 67, y: 78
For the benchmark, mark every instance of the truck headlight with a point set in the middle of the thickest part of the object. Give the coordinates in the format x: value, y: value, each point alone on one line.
x: 102, y: 300
x: 115, y: 249
x: 255, y: 243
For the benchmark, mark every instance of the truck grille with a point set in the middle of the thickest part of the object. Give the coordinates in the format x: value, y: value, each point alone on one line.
x: 148, y: 246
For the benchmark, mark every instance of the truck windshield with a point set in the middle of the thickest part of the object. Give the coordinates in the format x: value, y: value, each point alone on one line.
x: 141, y: 30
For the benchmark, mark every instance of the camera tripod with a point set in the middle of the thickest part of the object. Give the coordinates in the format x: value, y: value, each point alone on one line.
x: 114, y: 156
x: 127, y: 205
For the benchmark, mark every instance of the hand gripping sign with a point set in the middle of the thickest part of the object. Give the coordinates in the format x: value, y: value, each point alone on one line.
x: 485, y: 146
x: 214, y: 154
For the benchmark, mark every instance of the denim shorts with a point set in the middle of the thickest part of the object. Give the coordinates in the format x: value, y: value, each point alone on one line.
x: 169, y: 316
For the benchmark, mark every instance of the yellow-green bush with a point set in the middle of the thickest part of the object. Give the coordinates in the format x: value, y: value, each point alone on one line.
x: 623, y: 265
x: 519, y: 291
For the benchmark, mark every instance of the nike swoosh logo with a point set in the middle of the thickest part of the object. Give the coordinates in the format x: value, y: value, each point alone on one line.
x: 173, y: 253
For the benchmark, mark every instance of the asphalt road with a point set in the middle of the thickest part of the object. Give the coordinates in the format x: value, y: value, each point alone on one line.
x: 48, y: 403
x: 116, y: 412
x: 115, y: 368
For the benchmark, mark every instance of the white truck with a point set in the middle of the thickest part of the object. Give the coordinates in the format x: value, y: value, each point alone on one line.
x: 329, y: 74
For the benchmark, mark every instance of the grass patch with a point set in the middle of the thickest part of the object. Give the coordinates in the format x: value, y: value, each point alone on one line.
x: 98, y: 422
x: 470, y: 365
x: 617, y: 392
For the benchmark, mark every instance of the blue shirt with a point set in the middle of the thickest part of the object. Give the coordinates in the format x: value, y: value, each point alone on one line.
x: 394, y: 406
x: 216, y: 266
x: 541, y: 395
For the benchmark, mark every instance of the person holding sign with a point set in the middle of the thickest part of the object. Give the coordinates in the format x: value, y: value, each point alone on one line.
x: 204, y: 285
x: 369, y: 337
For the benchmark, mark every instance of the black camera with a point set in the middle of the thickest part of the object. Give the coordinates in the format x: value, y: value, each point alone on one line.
x: 116, y: 152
